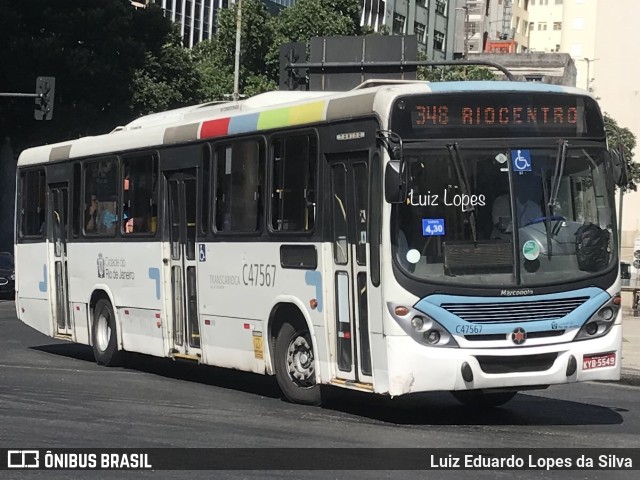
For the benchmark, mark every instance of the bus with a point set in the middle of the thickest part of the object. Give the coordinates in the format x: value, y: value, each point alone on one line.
x: 400, y: 237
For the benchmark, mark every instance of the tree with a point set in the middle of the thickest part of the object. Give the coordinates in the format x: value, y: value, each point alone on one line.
x: 92, y: 47
x: 313, y: 18
x: 318, y: 18
x: 215, y: 59
x: 167, y: 80
x: 261, y: 37
x: 628, y: 140
x: 455, y: 73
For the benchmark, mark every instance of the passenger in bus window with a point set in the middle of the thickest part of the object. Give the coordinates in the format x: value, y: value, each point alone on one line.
x: 92, y: 210
x: 154, y: 218
x: 108, y: 217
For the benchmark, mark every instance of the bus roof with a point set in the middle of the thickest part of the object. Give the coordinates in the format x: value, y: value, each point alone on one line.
x: 266, y: 111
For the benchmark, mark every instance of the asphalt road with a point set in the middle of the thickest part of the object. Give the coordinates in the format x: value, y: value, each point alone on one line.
x: 53, y: 395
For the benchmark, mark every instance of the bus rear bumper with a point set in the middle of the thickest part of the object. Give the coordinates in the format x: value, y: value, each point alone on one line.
x: 417, y: 368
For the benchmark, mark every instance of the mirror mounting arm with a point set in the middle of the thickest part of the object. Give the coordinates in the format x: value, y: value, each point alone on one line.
x: 395, y: 181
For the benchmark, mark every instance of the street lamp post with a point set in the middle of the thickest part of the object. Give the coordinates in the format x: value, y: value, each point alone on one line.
x: 589, y: 60
x: 236, y: 73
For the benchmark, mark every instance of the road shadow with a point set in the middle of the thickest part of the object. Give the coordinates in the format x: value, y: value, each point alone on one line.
x: 440, y: 408
x: 178, y: 370
x: 420, y: 409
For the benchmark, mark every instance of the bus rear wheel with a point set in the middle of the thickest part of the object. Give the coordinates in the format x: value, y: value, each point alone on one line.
x: 105, y: 346
x: 295, y: 365
x: 482, y: 399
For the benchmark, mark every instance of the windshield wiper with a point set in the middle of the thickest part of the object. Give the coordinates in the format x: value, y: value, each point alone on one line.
x: 561, y: 156
x: 547, y: 213
x: 551, y: 201
x: 463, y: 179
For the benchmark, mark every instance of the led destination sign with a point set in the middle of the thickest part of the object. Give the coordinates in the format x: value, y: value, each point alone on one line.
x: 495, y: 114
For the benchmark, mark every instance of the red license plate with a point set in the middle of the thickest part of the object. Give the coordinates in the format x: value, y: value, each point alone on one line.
x: 600, y: 360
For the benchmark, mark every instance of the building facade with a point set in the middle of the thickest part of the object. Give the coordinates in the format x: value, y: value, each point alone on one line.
x: 432, y: 21
x: 591, y: 32
x: 496, y: 26
x: 197, y: 18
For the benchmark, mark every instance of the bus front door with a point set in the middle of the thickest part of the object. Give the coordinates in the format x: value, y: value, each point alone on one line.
x: 58, y: 231
x: 181, y: 209
x: 350, y: 216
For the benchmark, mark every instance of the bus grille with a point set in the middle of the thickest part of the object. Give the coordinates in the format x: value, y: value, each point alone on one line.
x: 517, y: 364
x: 505, y: 336
x: 514, y: 312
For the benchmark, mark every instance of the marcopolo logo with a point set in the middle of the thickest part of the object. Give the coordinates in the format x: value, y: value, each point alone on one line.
x: 23, y: 459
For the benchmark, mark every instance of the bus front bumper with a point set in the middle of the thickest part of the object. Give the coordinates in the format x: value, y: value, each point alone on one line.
x: 417, y: 368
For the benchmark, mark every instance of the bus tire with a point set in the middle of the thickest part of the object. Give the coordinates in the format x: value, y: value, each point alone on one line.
x: 295, y: 365
x: 482, y: 399
x: 104, y: 337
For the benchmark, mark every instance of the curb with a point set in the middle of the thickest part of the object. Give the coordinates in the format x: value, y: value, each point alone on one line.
x: 630, y: 376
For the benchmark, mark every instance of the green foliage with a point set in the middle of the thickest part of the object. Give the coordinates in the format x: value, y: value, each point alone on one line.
x: 261, y: 38
x: 628, y: 139
x: 215, y: 59
x: 455, y: 73
x: 92, y: 47
x: 317, y: 18
x: 167, y: 80
x: 256, y: 35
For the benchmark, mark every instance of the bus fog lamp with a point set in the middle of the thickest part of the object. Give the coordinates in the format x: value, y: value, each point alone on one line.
x: 591, y: 328
x: 432, y: 337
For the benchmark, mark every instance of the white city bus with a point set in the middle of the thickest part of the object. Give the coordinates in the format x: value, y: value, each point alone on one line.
x: 396, y: 238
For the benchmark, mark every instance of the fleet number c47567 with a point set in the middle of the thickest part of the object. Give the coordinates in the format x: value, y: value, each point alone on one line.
x: 259, y: 274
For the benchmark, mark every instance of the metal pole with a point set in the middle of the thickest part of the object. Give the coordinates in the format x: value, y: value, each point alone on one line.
x: 22, y: 95
x: 236, y: 74
x: 588, y: 63
x: 589, y: 60
x: 620, y: 221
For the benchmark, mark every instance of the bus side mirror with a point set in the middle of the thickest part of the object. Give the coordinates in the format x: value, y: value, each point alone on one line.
x: 619, y: 166
x: 395, y: 186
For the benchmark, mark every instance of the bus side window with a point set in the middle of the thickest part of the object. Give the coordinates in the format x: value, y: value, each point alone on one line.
x: 293, y: 167
x: 101, y: 193
x: 139, y: 194
x: 33, y: 203
x: 239, y: 190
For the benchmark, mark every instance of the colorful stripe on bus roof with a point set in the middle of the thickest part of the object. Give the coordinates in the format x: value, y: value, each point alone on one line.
x: 304, y: 114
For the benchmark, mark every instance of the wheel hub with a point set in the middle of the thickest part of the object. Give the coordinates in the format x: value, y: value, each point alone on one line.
x: 300, y: 361
x: 103, y: 332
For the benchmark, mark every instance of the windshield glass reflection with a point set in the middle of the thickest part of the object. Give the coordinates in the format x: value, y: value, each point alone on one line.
x: 457, y: 226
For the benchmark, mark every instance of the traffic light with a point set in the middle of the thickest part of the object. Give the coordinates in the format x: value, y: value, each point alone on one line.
x: 45, y: 89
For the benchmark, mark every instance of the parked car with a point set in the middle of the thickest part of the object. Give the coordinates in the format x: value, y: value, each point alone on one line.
x: 7, y: 275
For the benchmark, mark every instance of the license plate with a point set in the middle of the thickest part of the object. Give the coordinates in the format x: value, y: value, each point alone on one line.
x: 600, y: 360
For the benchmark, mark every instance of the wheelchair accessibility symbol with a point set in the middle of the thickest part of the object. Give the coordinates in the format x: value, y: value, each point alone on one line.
x: 521, y: 160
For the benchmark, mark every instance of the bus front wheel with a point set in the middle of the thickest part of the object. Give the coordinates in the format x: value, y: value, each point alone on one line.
x: 105, y: 346
x: 295, y: 365
x: 482, y: 399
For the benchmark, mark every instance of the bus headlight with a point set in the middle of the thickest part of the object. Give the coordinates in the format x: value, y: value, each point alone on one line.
x: 600, y: 322
x: 421, y: 327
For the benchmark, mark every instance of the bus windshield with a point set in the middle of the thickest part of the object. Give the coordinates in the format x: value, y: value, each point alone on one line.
x: 458, y: 223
